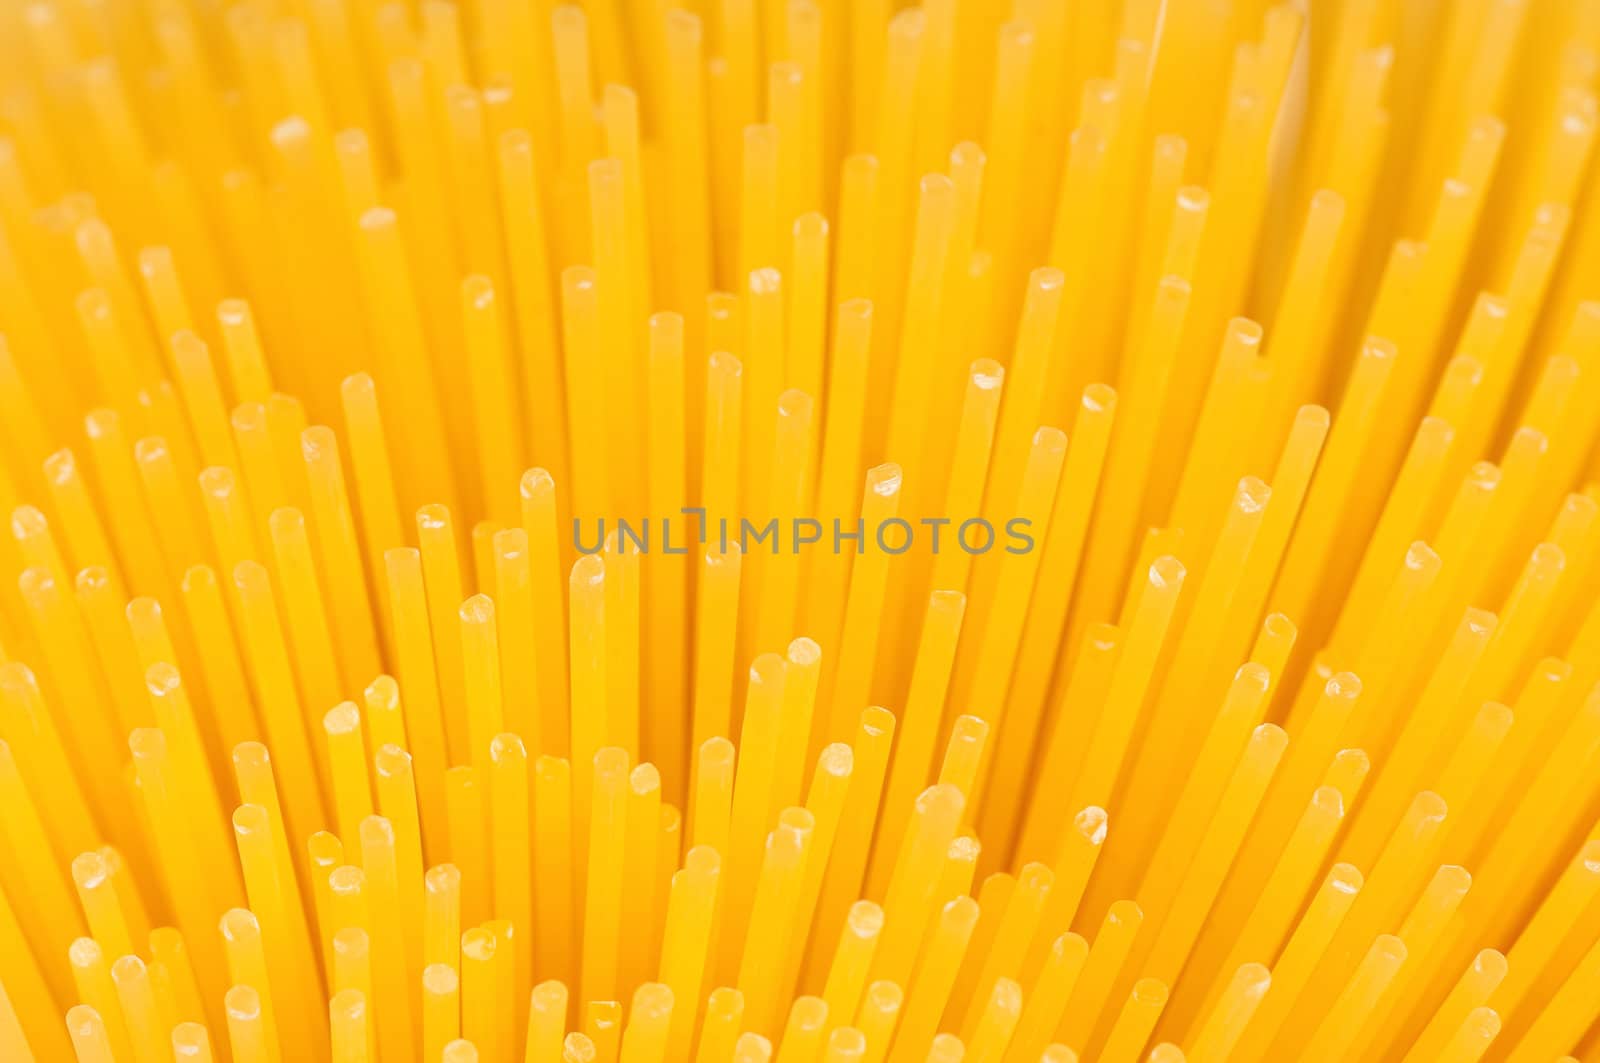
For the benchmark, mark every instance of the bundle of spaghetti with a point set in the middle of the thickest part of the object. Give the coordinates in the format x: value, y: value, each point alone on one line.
x: 827, y: 531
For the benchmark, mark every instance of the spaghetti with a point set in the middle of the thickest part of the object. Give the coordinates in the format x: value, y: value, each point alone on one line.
x: 770, y: 530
